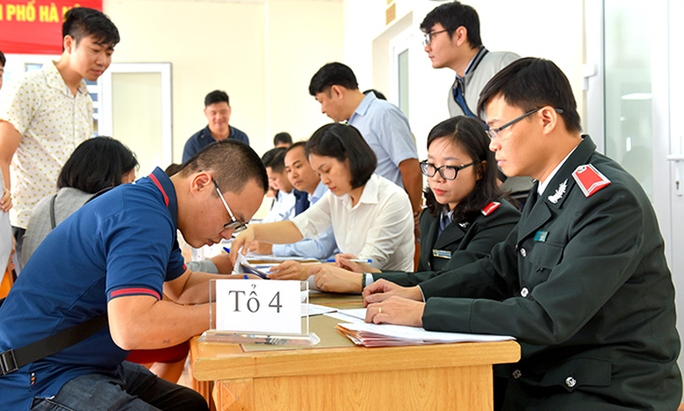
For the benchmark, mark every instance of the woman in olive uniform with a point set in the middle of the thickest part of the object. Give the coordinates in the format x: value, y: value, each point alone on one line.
x: 466, y: 212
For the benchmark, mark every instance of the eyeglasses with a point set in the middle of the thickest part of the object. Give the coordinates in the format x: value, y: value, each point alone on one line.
x: 427, y: 37
x: 234, y: 224
x: 493, y: 133
x: 447, y: 172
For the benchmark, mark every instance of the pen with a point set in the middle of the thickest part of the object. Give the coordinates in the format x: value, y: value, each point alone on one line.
x: 353, y: 260
x: 226, y: 249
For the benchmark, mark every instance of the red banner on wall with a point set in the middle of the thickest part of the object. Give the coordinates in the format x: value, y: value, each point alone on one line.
x: 35, y: 26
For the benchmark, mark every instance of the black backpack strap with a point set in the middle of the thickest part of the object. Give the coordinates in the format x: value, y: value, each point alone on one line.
x: 12, y: 360
x: 53, y: 221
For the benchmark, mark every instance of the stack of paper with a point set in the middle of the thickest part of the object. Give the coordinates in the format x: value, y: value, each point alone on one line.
x: 385, y: 335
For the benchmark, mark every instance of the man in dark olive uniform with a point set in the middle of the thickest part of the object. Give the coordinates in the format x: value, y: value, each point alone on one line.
x: 582, y: 281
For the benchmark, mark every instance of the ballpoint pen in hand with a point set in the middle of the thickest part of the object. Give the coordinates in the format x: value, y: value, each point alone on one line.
x: 353, y: 260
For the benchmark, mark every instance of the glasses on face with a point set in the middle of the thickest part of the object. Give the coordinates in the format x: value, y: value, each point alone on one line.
x: 447, y: 172
x: 493, y: 133
x: 234, y: 224
x: 427, y: 37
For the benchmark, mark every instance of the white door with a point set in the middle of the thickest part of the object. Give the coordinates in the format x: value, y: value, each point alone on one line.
x: 135, y: 108
x: 635, y: 57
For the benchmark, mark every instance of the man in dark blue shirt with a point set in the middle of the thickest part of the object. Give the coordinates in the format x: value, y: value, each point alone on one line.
x: 118, y: 254
x: 217, y: 109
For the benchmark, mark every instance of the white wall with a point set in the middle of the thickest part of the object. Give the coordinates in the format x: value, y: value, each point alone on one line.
x: 262, y: 53
x: 528, y: 27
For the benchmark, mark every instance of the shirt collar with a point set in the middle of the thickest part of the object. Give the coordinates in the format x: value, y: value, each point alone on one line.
x: 543, y: 184
x: 365, y: 104
x: 162, y: 181
x: 318, y: 193
x: 369, y: 195
x: 474, y: 62
x: 55, y: 79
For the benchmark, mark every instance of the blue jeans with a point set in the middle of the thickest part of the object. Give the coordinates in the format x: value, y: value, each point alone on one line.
x: 137, y: 390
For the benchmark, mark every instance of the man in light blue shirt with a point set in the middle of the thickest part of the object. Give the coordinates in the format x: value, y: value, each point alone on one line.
x: 305, y: 179
x: 382, y: 125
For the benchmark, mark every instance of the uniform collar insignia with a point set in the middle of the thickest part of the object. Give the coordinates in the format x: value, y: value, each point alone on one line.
x: 589, y: 179
x: 559, y: 192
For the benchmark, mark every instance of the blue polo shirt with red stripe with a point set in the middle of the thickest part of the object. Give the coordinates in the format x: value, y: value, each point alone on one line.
x: 121, y: 243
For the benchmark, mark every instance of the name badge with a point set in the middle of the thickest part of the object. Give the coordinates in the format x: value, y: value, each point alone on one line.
x: 442, y: 254
x: 258, y: 306
x: 540, y: 236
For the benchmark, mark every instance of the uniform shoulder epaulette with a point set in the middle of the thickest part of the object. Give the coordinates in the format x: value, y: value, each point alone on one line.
x: 589, y: 179
x: 489, y: 208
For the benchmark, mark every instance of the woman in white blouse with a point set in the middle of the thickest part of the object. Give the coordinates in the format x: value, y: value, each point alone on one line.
x: 370, y: 215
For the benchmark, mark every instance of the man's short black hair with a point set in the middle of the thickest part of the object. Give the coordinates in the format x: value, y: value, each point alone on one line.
x: 216, y: 96
x: 530, y: 83
x: 3, y: 60
x: 275, y: 158
x: 344, y: 142
x: 233, y: 163
x: 452, y: 16
x: 282, y: 137
x: 332, y: 74
x: 81, y: 22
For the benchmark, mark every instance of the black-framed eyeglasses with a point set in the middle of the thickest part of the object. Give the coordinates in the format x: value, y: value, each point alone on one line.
x: 493, y: 133
x: 427, y: 37
x: 234, y: 224
x: 447, y: 172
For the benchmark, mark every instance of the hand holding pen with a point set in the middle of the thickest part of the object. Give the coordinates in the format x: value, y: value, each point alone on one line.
x: 352, y: 263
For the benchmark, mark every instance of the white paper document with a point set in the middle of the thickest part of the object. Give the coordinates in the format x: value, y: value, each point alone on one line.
x: 315, y: 309
x: 380, y: 335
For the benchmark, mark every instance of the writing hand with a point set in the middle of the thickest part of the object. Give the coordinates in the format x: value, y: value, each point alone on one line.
x: 289, y: 270
x: 241, y: 243
x: 345, y: 261
x: 259, y: 247
x: 335, y: 279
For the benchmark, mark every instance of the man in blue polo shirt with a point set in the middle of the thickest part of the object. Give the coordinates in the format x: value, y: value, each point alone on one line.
x: 217, y: 110
x: 119, y: 254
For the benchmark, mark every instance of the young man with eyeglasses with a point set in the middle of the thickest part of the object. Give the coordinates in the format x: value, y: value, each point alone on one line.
x: 581, y: 282
x: 118, y: 254
x: 452, y: 40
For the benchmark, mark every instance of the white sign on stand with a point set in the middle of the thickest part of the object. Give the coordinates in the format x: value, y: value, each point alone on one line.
x: 258, y: 306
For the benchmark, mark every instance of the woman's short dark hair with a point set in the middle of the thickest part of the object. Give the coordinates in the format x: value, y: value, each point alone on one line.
x: 96, y: 164
x: 470, y: 135
x: 344, y: 142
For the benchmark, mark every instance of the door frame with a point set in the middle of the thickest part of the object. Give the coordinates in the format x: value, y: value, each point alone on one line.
x: 105, y: 125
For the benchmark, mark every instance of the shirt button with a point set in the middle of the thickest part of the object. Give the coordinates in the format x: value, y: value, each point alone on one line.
x: 523, y: 252
x: 524, y: 292
x: 517, y: 374
x: 570, y: 382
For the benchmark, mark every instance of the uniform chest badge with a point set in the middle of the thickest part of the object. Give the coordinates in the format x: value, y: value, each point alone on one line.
x: 445, y: 254
x: 559, y: 192
x: 589, y: 179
